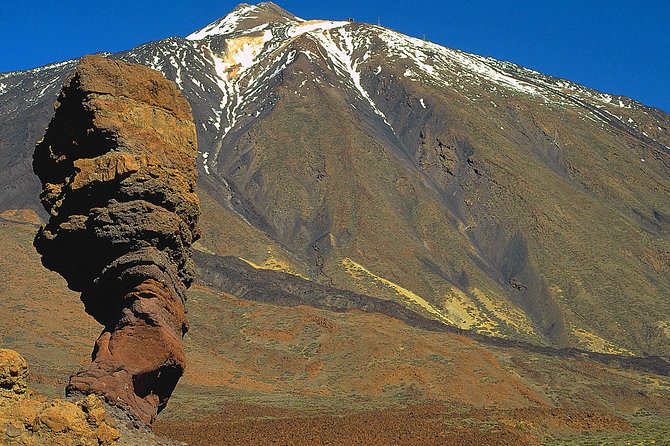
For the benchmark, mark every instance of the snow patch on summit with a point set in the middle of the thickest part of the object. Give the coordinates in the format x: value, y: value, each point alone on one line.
x: 226, y: 25
x: 314, y: 25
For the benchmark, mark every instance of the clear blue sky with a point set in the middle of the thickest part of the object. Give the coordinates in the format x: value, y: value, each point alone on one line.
x: 616, y: 46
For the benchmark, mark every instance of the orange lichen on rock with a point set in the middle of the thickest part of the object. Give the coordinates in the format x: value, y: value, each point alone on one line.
x: 117, y: 165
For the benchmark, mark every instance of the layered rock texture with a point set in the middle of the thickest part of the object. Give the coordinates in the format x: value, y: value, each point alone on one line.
x: 117, y: 165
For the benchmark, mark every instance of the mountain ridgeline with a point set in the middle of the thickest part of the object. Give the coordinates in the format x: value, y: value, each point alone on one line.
x: 470, y: 191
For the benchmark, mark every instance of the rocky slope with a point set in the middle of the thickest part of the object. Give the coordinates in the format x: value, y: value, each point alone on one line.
x: 117, y: 165
x: 316, y: 375
x: 475, y: 192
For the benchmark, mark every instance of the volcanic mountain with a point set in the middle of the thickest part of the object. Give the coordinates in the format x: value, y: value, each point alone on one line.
x: 474, y: 192
x: 380, y: 213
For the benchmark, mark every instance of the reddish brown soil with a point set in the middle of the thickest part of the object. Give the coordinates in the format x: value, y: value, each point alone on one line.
x: 566, y: 419
x: 241, y: 424
x: 244, y: 425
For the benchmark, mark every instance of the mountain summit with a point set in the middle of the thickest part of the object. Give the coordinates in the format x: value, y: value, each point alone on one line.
x: 244, y: 18
x: 477, y: 193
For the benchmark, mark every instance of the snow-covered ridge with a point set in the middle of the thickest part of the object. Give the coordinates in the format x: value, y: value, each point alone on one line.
x: 242, y: 52
x: 440, y: 64
x: 314, y: 25
x: 437, y: 62
x: 232, y: 22
x: 340, y: 47
x: 253, y: 56
x: 450, y: 68
x: 51, y: 66
x: 226, y: 25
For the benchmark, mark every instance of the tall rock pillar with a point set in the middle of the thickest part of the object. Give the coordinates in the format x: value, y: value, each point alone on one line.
x: 117, y: 165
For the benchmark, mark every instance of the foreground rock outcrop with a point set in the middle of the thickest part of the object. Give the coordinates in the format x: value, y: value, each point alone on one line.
x: 27, y: 418
x: 117, y: 166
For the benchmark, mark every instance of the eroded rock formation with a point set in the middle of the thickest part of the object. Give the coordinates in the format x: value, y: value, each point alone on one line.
x: 117, y: 165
